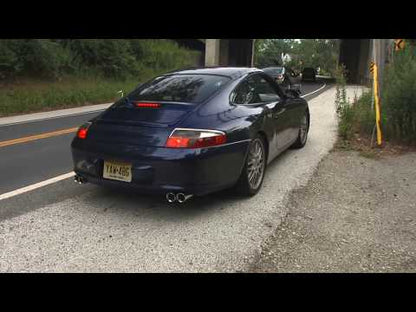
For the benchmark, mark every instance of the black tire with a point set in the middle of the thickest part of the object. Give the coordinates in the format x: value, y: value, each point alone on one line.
x: 303, y: 132
x: 244, y: 186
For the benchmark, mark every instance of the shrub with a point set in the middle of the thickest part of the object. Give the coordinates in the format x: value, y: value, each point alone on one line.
x: 84, y: 71
x: 398, y: 96
x: 43, y: 57
x: 110, y: 58
x: 355, y: 117
x: 166, y: 55
x: 10, y: 64
x: 364, y: 114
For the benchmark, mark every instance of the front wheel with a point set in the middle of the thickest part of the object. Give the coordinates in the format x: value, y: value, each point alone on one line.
x: 252, y: 175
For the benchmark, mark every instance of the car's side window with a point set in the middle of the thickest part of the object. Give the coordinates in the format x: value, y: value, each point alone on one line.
x: 255, y: 89
x: 265, y: 91
x: 242, y: 94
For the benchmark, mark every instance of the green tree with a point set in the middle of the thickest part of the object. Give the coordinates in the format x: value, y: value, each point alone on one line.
x: 398, y: 94
x: 268, y: 52
x: 321, y: 53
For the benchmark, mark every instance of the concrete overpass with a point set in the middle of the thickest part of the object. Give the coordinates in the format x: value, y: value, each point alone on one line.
x: 222, y: 52
x: 355, y: 54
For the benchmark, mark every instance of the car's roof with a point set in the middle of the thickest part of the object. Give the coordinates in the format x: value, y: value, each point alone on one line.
x: 232, y: 72
x: 273, y: 67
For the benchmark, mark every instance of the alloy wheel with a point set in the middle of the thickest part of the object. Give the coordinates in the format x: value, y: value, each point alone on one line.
x: 255, y: 164
x: 304, y: 129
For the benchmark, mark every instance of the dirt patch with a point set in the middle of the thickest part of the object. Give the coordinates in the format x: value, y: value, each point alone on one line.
x: 368, y: 148
x: 357, y: 214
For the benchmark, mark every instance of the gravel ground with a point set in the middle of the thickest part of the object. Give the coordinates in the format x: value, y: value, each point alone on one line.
x: 355, y: 215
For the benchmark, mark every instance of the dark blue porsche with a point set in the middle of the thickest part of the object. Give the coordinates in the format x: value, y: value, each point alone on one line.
x: 192, y: 132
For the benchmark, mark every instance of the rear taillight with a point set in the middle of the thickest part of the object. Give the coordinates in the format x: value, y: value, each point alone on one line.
x: 146, y: 104
x: 195, y: 138
x: 83, y: 131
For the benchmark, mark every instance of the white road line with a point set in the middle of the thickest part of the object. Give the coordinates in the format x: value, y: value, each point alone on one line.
x: 314, y: 91
x: 71, y: 174
x: 36, y: 185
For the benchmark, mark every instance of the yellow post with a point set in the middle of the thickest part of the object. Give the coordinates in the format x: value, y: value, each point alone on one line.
x: 377, y: 105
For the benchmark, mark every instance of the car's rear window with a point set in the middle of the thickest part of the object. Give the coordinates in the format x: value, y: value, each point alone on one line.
x: 180, y: 88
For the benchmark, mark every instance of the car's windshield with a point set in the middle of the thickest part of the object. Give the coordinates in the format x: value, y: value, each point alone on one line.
x: 179, y: 88
x: 273, y: 71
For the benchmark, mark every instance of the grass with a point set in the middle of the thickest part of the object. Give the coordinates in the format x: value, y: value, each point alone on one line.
x: 32, y: 95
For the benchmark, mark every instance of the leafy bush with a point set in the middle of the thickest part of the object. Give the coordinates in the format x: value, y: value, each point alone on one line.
x: 110, y: 58
x: 399, y: 96
x: 398, y: 104
x: 163, y: 54
x: 364, y: 114
x: 10, y: 64
x: 355, y: 117
x: 83, y: 71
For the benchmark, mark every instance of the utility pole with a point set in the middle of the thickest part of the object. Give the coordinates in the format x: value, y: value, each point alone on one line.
x: 378, y: 59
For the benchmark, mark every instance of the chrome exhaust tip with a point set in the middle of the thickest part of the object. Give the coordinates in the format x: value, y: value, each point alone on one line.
x: 181, y: 197
x: 170, y: 197
x: 80, y: 180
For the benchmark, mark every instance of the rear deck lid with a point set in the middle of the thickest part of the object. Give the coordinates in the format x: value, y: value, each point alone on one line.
x: 146, y: 116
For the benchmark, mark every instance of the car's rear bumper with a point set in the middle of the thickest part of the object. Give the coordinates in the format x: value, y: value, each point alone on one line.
x: 161, y: 170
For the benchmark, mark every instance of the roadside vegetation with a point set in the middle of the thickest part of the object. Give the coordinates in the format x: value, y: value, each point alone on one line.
x: 356, y: 116
x: 43, y: 74
x: 398, y: 108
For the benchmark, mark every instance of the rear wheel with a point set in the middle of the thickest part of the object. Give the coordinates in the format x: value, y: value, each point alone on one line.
x: 252, y: 175
x: 303, y: 132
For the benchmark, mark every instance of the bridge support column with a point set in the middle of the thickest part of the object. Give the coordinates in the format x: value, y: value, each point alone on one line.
x: 229, y: 52
x: 364, y: 63
x: 212, y: 52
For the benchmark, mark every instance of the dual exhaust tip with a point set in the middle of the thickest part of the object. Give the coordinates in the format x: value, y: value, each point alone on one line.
x: 80, y: 180
x: 170, y: 197
x: 179, y: 197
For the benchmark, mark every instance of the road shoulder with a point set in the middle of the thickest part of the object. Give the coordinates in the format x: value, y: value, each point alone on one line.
x: 355, y: 215
x: 13, y: 120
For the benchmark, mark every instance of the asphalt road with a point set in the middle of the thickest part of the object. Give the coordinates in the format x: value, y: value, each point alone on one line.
x: 35, y: 161
x: 67, y: 227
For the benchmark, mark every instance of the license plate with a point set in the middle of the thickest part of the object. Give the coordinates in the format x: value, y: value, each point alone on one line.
x: 117, y: 171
